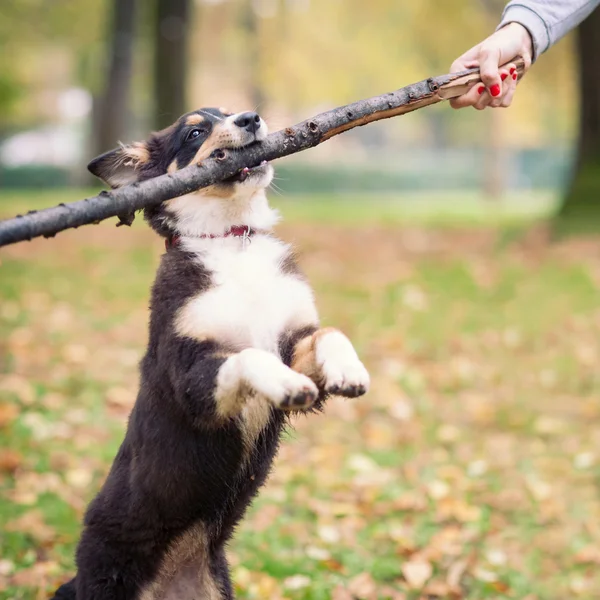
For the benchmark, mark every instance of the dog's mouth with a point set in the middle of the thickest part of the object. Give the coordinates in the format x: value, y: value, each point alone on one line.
x: 247, y: 172
x: 250, y: 173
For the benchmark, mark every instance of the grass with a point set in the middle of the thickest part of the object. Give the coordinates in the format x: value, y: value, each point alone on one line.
x: 470, y: 471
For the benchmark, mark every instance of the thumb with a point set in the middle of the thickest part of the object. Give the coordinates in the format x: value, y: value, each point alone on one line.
x: 489, y: 62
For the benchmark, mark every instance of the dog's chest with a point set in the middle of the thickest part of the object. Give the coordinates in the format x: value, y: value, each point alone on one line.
x: 251, y: 301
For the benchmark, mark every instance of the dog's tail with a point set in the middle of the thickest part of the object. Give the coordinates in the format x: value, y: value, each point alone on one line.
x: 66, y: 591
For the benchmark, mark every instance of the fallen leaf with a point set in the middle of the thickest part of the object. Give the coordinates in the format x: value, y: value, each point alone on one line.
x: 339, y: 593
x: 33, y: 524
x: 10, y: 461
x: 79, y: 478
x: 437, y: 589
x: 391, y: 594
x: 417, y: 573
x: 38, y: 575
x: 8, y: 413
x: 6, y: 567
x: 296, y: 582
x: 19, y: 386
x: 588, y: 554
x: 363, y: 586
x: 455, y: 574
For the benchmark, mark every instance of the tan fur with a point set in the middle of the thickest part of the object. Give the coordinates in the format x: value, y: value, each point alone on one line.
x: 184, y: 571
x: 226, y: 111
x: 217, y: 191
x: 194, y: 120
x: 233, y: 397
x: 304, y: 359
x: 137, y: 153
x: 218, y: 139
x: 230, y: 393
x: 255, y: 416
x: 172, y: 167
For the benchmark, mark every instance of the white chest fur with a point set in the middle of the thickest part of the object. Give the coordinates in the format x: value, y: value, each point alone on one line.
x: 251, y: 302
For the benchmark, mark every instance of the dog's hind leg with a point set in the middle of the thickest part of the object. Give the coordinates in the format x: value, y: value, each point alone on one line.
x: 67, y: 591
x: 220, y: 572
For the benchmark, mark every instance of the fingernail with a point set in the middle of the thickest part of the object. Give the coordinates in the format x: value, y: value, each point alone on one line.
x: 512, y: 70
x: 495, y: 90
x: 481, y: 89
x: 504, y: 76
x: 515, y: 76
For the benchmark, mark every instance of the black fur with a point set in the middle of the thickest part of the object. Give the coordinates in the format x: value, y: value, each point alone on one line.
x: 177, y: 465
x: 182, y: 470
x: 163, y: 148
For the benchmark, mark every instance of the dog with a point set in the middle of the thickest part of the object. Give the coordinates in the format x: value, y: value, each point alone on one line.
x: 234, y: 348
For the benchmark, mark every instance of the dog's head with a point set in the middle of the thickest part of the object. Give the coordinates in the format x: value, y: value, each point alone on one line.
x: 191, y: 139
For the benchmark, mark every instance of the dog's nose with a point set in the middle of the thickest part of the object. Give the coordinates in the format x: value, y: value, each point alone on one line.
x: 250, y: 121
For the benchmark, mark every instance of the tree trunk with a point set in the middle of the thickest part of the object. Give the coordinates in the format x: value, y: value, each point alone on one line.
x: 171, y: 28
x: 581, y: 208
x: 253, y: 56
x: 112, y: 106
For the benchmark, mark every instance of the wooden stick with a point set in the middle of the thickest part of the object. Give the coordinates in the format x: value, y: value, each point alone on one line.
x: 123, y: 202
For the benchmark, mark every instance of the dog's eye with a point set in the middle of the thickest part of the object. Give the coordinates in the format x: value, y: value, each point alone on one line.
x: 193, y: 134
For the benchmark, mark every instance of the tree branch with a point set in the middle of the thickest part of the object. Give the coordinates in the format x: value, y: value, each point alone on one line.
x: 226, y: 163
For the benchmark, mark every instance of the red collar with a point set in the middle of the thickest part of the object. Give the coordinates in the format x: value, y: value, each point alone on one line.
x: 243, y: 231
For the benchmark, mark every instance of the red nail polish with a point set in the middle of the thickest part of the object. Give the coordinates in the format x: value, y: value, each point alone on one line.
x: 495, y: 90
x: 504, y: 76
x: 481, y: 89
x: 515, y: 76
x: 512, y: 70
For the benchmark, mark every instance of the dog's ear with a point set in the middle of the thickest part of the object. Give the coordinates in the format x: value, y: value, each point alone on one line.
x: 120, y: 166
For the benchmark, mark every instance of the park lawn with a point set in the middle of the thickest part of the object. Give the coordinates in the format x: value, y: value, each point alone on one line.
x: 470, y: 471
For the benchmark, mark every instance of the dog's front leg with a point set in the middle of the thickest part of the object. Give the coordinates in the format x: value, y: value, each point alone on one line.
x: 256, y: 372
x: 213, y: 384
x: 329, y: 359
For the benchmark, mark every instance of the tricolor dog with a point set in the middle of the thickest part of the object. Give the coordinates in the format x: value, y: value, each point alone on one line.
x: 234, y: 347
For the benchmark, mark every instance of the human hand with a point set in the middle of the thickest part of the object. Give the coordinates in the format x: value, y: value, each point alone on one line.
x: 499, y: 85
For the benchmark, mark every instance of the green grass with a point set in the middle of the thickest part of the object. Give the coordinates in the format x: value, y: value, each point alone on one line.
x: 475, y: 453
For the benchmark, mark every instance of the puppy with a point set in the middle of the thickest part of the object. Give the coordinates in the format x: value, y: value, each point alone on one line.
x: 234, y: 347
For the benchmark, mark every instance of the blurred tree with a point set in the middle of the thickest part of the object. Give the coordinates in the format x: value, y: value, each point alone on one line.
x: 581, y: 208
x: 253, y: 58
x: 112, y: 106
x: 171, y: 33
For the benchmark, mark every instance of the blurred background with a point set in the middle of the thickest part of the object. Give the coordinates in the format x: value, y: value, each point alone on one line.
x: 437, y: 242
x: 78, y: 76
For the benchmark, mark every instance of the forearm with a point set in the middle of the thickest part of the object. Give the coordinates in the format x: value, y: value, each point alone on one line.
x: 547, y: 20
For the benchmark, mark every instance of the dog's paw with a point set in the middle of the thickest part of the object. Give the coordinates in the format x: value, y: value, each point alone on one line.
x: 288, y: 390
x: 341, y: 370
x: 299, y: 397
x: 277, y: 383
x: 350, y: 380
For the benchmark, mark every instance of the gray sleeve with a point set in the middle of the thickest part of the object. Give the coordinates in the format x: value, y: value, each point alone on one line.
x: 547, y: 20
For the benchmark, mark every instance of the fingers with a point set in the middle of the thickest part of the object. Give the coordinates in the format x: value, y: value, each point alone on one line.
x: 470, y: 98
x: 508, y: 97
x: 499, y: 93
x: 480, y: 97
x: 462, y: 64
x: 489, y: 58
x: 505, y: 44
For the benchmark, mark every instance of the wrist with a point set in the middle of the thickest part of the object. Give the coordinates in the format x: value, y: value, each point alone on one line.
x: 530, y: 28
x: 522, y: 34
